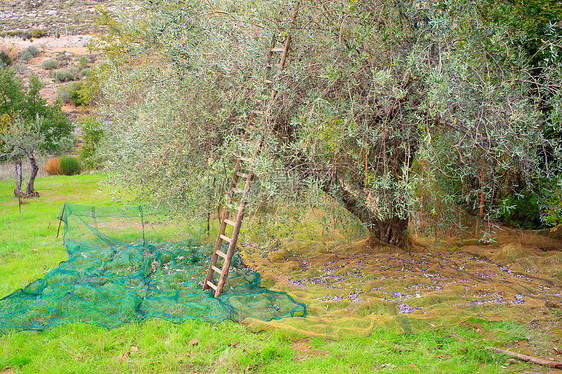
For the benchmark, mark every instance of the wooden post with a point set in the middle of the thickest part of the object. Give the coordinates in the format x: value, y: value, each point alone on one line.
x: 482, y: 193
x: 366, y: 166
x: 60, y: 220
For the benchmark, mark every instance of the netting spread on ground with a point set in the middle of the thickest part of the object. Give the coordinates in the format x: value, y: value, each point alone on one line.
x: 118, y: 271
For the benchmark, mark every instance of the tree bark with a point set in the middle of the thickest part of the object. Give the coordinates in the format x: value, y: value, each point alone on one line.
x: 30, y: 188
x: 390, y: 230
x: 19, y: 178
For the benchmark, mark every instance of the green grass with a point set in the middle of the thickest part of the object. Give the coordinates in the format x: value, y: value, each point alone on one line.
x: 29, y: 248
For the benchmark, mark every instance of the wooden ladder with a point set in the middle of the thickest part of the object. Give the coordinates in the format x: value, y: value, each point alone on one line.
x: 237, y: 197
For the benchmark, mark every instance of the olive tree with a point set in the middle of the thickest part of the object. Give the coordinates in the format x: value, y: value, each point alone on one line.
x: 28, y: 126
x: 391, y: 108
x: 23, y: 140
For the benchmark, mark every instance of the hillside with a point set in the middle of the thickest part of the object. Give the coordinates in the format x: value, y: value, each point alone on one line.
x: 33, y: 18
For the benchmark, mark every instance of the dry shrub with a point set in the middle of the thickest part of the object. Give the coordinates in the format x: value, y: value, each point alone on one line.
x: 53, y: 166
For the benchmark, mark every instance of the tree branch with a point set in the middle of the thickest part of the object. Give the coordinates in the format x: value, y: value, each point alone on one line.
x: 527, y: 358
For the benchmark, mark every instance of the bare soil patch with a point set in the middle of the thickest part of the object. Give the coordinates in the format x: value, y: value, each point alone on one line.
x: 68, y: 50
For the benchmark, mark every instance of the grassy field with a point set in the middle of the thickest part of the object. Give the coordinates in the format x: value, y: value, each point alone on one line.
x: 29, y: 248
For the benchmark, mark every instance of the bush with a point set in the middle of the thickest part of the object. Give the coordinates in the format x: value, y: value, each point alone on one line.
x: 5, y: 59
x: 83, y: 63
x: 20, y: 68
x: 522, y: 210
x: 63, y: 93
x: 84, y: 73
x: 50, y: 64
x: 70, y: 165
x: 53, y: 166
x: 92, y: 136
x: 29, y: 53
x: 38, y: 33
x: 33, y: 50
x: 63, y: 75
x: 74, y: 94
x: 25, y: 56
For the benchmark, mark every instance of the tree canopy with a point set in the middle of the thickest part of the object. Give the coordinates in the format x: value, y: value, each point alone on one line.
x: 27, y: 104
x: 401, y: 111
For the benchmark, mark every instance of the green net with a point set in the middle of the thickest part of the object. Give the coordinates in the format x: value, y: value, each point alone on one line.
x: 121, y: 270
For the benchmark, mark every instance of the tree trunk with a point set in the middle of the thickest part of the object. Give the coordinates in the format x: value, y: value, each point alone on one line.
x: 30, y: 188
x: 19, y: 178
x: 390, y: 230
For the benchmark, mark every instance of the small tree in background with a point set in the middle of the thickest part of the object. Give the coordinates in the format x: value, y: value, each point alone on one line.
x: 29, y: 126
x: 24, y: 139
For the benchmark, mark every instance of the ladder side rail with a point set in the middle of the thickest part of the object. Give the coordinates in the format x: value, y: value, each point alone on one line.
x: 249, y: 176
x: 218, y: 244
x: 232, y: 245
x: 222, y: 230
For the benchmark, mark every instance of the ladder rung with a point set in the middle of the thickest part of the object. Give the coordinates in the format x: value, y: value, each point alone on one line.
x: 279, y: 49
x: 229, y: 222
x: 222, y: 254
x: 210, y: 284
x: 246, y: 159
x: 267, y: 81
x: 237, y: 190
x: 257, y: 111
x: 217, y: 270
x: 226, y: 238
x: 243, y: 175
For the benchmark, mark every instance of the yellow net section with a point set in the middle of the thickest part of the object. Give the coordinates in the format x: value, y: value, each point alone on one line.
x: 354, y: 288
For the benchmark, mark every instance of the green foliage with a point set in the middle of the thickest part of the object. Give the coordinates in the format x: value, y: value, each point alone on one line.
x: 366, y: 91
x: 84, y: 73
x: 534, y: 24
x: 83, y: 63
x: 70, y: 165
x: 92, y: 136
x: 63, y: 93
x: 521, y: 209
x: 64, y: 75
x: 90, y: 88
x: 29, y: 53
x: 50, y: 64
x: 23, y: 137
x: 28, y: 105
x: 554, y: 206
x: 5, y: 59
x: 75, y: 93
x: 38, y: 33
